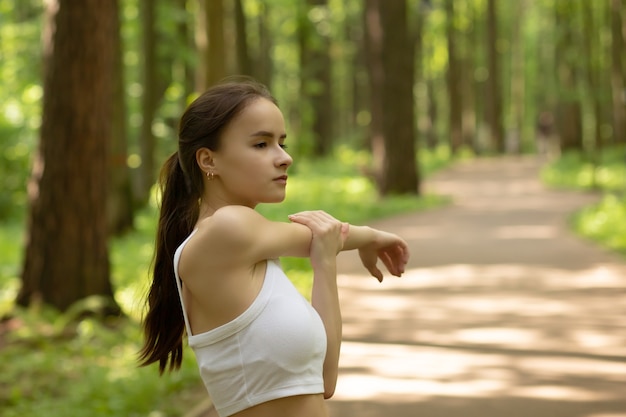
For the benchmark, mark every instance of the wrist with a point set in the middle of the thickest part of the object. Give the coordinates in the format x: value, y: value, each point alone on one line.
x: 324, y: 265
x: 359, y: 237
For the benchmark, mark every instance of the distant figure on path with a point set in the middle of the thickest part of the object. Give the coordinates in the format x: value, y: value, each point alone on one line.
x: 545, y: 127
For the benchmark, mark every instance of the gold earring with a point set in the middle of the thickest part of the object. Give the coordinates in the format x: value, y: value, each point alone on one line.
x: 210, y: 175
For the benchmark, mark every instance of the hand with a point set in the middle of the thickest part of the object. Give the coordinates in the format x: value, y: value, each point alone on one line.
x: 329, y: 234
x: 389, y: 248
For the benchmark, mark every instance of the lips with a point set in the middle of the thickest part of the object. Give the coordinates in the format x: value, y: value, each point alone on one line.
x: 281, y: 178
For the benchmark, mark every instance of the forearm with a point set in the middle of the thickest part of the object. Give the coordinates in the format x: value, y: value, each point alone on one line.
x: 325, y: 300
x: 358, y: 237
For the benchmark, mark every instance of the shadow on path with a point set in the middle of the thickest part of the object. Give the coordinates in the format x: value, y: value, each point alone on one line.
x: 502, y: 312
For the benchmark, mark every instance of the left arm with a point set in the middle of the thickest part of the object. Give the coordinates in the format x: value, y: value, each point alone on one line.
x: 325, y: 299
x: 328, y: 238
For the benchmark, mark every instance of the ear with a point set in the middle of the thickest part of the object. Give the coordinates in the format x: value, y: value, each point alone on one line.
x: 204, y: 159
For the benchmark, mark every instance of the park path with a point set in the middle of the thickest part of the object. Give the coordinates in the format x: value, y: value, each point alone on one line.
x: 503, y: 312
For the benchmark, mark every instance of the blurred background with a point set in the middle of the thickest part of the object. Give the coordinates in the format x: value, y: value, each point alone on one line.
x: 377, y: 95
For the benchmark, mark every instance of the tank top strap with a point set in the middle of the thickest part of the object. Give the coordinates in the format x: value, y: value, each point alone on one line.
x: 179, y: 285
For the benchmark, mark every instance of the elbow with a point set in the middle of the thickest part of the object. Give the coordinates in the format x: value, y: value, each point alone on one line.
x: 329, y: 389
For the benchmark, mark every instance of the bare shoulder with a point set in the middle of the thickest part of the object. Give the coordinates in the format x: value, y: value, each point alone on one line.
x: 241, y: 234
x: 223, y: 237
x: 235, y: 218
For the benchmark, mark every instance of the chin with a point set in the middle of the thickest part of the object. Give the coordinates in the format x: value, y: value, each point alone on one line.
x: 274, y: 200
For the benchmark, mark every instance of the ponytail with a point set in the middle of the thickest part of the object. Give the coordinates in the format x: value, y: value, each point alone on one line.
x: 164, y: 325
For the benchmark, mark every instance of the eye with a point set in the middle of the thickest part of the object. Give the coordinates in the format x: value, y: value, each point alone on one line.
x: 260, y: 145
x: 282, y: 145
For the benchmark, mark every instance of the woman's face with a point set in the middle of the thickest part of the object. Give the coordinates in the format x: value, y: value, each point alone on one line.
x: 251, y: 164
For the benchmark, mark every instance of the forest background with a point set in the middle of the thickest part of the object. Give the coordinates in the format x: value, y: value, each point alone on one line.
x: 376, y: 95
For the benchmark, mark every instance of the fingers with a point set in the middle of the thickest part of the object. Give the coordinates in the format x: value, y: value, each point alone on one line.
x: 320, y: 222
x: 375, y: 272
x: 395, y: 259
x: 318, y: 216
x: 327, y: 231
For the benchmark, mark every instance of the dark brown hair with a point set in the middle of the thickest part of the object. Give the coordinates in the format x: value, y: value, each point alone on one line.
x: 181, y: 185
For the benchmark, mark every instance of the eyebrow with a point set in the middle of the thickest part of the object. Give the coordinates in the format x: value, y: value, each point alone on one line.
x: 264, y: 133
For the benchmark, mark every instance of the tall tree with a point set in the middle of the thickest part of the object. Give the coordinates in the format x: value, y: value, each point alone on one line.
x: 244, y: 63
x: 618, y: 74
x: 120, y: 208
x: 455, y: 98
x: 211, y: 44
x: 400, y: 172
x: 263, y: 59
x: 66, y: 257
x: 517, y: 84
x: 389, y: 50
x: 146, y: 173
x: 569, y: 107
x: 466, y: 61
x: 185, y: 62
x: 373, y: 44
x: 315, y: 73
x: 494, y: 93
x: 590, y: 43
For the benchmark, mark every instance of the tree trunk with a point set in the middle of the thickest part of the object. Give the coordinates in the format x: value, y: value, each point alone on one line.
x: 120, y: 202
x: 264, y: 63
x: 494, y: 94
x: 244, y: 63
x: 590, y: 61
x: 400, y: 175
x: 359, y: 100
x: 375, y: 70
x: 146, y: 172
x: 216, y: 56
x: 66, y: 257
x: 517, y: 75
x: 468, y: 86
x: 455, y: 99
x: 421, y: 108
x: 618, y: 76
x: 569, y: 109
x: 432, y: 137
x: 186, y: 66
x: 315, y: 79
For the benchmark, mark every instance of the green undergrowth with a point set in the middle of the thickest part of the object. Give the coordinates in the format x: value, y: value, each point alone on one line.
x: 53, y: 366
x: 604, y: 222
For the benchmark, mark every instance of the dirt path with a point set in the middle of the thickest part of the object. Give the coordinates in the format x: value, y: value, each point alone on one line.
x: 503, y: 312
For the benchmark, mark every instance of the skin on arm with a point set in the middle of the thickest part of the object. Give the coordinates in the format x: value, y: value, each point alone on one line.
x: 257, y: 238
x: 328, y: 239
x: 375, y: 244
x: 242, y: 235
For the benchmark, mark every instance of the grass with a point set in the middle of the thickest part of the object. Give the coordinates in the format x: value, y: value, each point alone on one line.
x: 604, y: 222
x: 52, y: 366
x: 574, y: 170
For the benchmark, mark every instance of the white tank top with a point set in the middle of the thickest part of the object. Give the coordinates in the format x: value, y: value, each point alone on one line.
x: 274, y: 349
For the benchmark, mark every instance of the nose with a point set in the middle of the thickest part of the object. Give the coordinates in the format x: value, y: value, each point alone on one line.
x: 284, y: 159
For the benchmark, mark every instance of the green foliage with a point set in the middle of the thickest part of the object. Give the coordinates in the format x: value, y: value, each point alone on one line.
x: 20, y: 95
x: 50, y: 365
x: 578, y: 171
x: 54, y: 368
x: 604, y: 222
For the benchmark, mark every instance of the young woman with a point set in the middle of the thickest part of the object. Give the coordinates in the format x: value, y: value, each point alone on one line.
x: 262, y: 348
